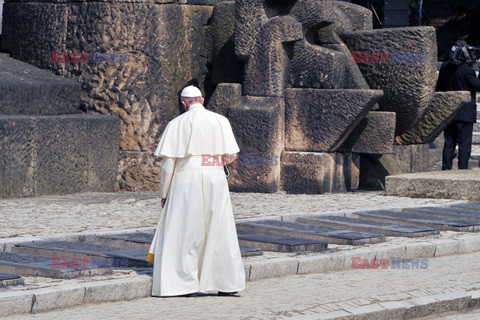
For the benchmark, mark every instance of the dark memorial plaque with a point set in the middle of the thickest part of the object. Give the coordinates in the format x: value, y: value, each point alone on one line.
x: 453, y: 213
x: 279, y: 243
x: 385, y: 228
x: 468, y: 206
x: 100, y: 255
x: 9, y: 279
x: 300, y: 230
x: 50, y: 267
x: 439, y: 223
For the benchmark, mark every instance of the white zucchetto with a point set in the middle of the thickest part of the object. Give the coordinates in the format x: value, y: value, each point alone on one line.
x: 191, y: 92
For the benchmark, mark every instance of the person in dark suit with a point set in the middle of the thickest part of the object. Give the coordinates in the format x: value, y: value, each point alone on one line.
x: 458, y: 75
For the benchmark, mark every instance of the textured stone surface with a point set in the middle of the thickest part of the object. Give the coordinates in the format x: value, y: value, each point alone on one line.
x: 373, y: 135
x: 226, y: 67
x: 25, y: 89
x: 321, y: 120
x: 225, y: 96
x: 452, y: 184
x: 258, y: 125
x: 142, y: 92
x: 443, y: 109
x: 360, y: 18
x: 57, y: 154
x: 408, y: 85
x: 52, y: 298
x: 314, y: 173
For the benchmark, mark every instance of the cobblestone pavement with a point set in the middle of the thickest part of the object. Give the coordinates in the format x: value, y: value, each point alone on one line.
x: 459, y: 315
x: 115, y: 211
x: 297, y: 297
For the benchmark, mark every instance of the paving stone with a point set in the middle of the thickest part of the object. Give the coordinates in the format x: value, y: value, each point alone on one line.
x: 250, y: 251
x: 38, y: 266
x: 101, y: 255
x: 467, y: 245
x: 438, y: 223
x: 446, y: 212
x: 385, y: 228
x: 330, y: 235
x: 446, y: 247
x: 389, y: 252
x: 419, y: 250
x: 279, y: 243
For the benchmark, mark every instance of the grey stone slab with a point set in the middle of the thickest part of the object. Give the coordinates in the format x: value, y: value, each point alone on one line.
x: 468, y: 206
x: 279, y: 243
x: 101, y: 255
x: 330, y: 235
x: 446, y: 212
x: 385, y: 228
x: 9, y: 276
x: 250, y: 251
x: 438, y: 223
x: 40, y: 266
x: 142, y: 241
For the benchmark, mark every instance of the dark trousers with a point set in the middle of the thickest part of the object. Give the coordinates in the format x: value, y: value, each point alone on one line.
x: 458, y: 132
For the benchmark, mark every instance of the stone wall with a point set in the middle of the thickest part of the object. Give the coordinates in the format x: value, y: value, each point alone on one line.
x: 144, y: 53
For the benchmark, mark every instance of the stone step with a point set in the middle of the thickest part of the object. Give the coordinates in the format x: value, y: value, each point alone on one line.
x: 385, y: 228
x: 142, y: 241
x: 301, y: 230
x: 99, y: 254
x: 438, y: 223
x: 25, y: 89
x: 279, y: 243
x: 10, y: 280
x: 451, y: 184
x: 446, y: 212
x: 40, y: 266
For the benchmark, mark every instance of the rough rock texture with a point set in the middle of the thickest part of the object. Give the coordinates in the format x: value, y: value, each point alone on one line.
x: 373, y: 135
x: 25, y: 89
x: 226, y: 67
x: 404, y: 159
x: 443, y: 109
x: 320, y: 120
x: 451, y: 184
x: 408, y: 83
x: 44, y: 155
x: 258, y: 125
x: 143, y: 91
x: 224, y: 96
x: 360, y: 18
x: 315, y: 173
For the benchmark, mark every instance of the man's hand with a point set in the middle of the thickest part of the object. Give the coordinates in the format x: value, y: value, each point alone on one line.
x: 163, y: 202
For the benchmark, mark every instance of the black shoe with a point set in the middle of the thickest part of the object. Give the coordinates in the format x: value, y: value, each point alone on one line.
x: 226, y: 294
x: 188, y: 295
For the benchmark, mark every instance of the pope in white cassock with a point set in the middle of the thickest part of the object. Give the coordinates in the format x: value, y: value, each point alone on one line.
x: 195, y: 247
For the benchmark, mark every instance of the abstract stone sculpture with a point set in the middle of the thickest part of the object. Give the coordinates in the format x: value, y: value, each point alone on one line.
x: 281, y: 70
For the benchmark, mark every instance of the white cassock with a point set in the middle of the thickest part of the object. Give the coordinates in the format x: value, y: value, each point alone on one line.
x: 195, y: 247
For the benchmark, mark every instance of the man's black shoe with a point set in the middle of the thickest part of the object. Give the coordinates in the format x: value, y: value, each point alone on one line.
x: 226, y: 294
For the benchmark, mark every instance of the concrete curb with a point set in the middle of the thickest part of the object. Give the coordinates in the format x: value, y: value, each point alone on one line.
x: 343, y: 259
x: 45, y: 299
x: 407, y: 309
